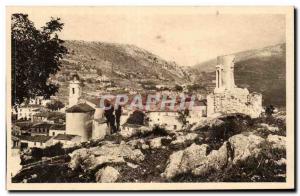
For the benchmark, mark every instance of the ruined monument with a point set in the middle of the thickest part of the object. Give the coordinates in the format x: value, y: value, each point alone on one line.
x: 227, y: 97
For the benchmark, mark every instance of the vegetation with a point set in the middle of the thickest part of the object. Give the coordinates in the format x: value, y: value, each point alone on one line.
x: 35, y: 56
x: 55, y: 105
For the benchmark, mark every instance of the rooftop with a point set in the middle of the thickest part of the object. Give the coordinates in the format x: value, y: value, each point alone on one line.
x: 65, y: 137
x: 58, y: 127
x: 35, y: 138
x: 80, y: 108
x: 42, y: 125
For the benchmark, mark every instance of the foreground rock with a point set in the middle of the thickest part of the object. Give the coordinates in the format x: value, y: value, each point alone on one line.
x: 107, y: 175
x: 88, y: 159
x: 195, y: 159
x: 138, y: 130
x: 184, y: 140
x: 245, y: 146
x: 207, y: 122
x: 277, y: 142
x: 269, y: 128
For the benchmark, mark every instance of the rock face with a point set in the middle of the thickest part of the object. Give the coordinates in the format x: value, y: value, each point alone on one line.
x: 107, y: 175
x: 245, y: 146
x: 195, y: 159
x: 88, y: 159
x: 277, y: 142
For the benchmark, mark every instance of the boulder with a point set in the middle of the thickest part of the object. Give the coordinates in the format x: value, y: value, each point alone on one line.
x: 88, y: 159
x: 277, y: 142
x: 194, y: 159
x: 184, y: 140
x: 215, y: 160
x: 78, y: 157
x: 207, y: 122
x: 136, y: 143
x: 127, y: 133
x: 269, y: 128
x: 185, y: 160
x: 245, y: 146
x: 107, y: 175
x: 280, y: 162
x: 174, y: 165
x: 155, y: 143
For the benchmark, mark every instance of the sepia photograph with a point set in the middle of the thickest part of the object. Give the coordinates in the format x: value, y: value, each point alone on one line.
x: 150, y: 98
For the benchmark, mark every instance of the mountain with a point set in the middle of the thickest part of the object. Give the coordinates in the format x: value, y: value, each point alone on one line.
x: 260, y: 70
x: 126, y: 65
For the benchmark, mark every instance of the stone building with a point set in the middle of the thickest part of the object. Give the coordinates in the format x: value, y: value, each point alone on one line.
x: 227, y: 97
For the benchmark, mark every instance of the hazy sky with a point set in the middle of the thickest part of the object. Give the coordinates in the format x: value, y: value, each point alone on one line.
x: 185, y: 37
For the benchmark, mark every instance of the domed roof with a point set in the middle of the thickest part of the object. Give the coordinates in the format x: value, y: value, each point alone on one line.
x: 80, y: 108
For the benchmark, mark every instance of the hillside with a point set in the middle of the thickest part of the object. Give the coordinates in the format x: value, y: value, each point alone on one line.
x: 126, y: 65
x: 261, y: 70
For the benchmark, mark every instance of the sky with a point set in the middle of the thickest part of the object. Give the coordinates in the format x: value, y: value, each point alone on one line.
x: 185, y: 36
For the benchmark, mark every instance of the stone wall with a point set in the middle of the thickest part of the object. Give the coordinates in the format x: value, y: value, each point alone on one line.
x: 236, y: 100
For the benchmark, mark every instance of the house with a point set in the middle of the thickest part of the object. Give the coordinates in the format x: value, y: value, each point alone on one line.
x: 67, y: 140
x: 128, y: 129
x: 38, y: 141
x: 39, y: 117
x: 42, y: 128
x: 25, y: 127
x: 167, y: 119
x: 27, y: 111
x: 57, y: 129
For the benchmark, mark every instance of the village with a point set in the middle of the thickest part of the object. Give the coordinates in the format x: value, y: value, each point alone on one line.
x: 83, y: 119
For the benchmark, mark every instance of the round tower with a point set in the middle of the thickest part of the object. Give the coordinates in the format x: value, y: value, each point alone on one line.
x: 74, y: 90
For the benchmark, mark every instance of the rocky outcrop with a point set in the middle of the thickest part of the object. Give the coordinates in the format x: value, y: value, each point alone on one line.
x: 207, y: 122
x: 195, y: 159
x: 88, y: 159
x: 184, y: 140
x: 155, y: 143
x: 245, y: 146
x: 128, y: 133
x: 277, y: 142
x: 269, y: 128
x: 107, y: 175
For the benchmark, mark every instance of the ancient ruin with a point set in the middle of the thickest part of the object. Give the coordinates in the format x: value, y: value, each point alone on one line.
x: 227, y: 97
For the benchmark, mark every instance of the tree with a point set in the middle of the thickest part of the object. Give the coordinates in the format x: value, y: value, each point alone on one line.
x: 55, y: 105
x: 36, y: 55
x: 137, y: 117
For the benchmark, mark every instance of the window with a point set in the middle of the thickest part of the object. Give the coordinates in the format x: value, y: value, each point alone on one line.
x: 73, y: 90
x: 34, y: 143
x: 53, y: 133
x: 41, y: 143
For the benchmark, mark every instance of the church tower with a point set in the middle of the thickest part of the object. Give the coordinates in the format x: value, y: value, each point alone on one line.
x: 74, y: 90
